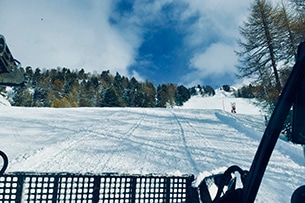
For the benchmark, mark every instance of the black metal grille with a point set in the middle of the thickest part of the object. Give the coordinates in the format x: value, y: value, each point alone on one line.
x: 106, y: 188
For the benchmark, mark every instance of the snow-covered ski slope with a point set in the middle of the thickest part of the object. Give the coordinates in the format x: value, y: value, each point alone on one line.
x: 223, y: 101
x: 142, y: 140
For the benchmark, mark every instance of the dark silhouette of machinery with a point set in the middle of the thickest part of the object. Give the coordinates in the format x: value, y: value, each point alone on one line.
x: 11, y: 72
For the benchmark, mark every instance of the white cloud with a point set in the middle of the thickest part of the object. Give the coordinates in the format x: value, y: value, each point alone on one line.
x: 218, y: 20
x: 60, y: 33
x: 136, y: 75
x: 217, y: 59
x: 77, y: 34
x: 214, y: 36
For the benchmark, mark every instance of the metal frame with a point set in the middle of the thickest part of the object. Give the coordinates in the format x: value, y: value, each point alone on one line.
x: 108, y: 188
x: 11, y: 73
x: 276, y: 122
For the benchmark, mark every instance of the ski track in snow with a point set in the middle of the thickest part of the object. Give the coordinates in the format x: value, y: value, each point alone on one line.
x: 141, y: 140
x: 122, y: 138
x: 188, y: 153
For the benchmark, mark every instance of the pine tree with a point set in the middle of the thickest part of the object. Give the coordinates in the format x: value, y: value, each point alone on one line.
x: 182, y: 95
x: 149, y: 91
x: 162, y: 96
x: 23, y: 97
x: 209, y: 90
x: 111, y: 98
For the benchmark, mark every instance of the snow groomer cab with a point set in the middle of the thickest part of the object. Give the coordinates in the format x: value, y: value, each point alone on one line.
x: 111, y: 188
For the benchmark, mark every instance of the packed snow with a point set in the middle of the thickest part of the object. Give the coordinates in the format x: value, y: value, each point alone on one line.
x: 201, y: 138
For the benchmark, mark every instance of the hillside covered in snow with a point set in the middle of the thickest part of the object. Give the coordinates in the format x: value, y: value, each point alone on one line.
x: 201, y: 138
x: 223, y: 100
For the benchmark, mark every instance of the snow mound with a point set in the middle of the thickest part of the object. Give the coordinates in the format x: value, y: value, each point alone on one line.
x: 3, y: 101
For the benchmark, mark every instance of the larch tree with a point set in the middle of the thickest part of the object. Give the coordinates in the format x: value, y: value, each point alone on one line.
x: 285, y: 21
x: 299, y: 19
x: 300, y: 6
x: 261, y: 42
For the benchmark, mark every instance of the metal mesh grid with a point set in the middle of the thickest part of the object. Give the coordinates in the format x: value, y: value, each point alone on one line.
x: 116, y: 189
x: 178, y: 189
x: 38, y: 189
x: 8, y: 189
x: 106, y: 188
x: 75, y: 189
x: 148, y: 188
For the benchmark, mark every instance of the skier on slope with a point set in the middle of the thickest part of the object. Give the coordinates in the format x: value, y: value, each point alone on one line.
x: 233, y: 105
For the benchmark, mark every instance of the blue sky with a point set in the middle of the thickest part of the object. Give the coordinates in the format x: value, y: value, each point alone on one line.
x: 186, y: 42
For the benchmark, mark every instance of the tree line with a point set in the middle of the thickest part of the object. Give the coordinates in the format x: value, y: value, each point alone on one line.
x: 62, y: 87
x: 268, y: 45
